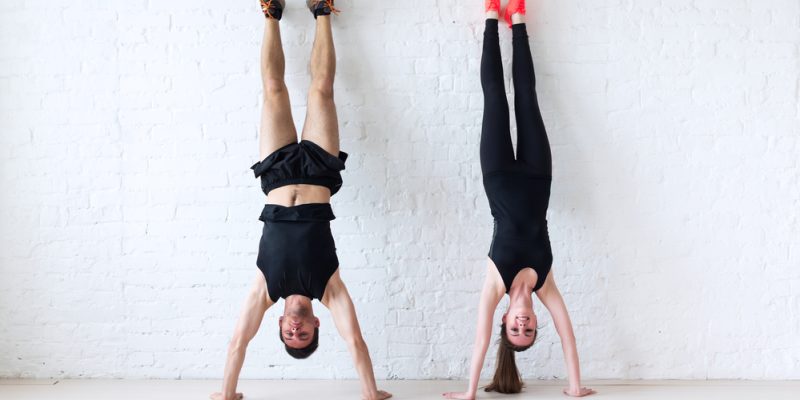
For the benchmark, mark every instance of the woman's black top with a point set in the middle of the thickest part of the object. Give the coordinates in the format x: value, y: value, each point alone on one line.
x: 518, y: 201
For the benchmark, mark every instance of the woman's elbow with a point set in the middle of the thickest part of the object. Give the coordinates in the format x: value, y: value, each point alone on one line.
x: 483, y: 341
x: 567, y: 337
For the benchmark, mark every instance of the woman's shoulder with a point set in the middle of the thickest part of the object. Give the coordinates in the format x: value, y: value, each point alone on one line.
x: 493, y: 283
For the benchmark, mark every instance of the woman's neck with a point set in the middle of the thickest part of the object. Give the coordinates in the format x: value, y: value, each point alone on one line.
x: 520, y: 293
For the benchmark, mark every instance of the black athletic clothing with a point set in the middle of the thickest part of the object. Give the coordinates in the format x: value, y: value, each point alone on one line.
x: 297, y: 254
x: 300, y: 163
x: 518, y: 189
x: 533, y: 148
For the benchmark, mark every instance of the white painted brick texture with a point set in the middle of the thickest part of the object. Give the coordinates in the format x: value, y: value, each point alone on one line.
x: 128, y: 214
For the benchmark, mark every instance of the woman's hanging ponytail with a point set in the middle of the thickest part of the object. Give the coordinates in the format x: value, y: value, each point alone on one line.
x: 506, y: 375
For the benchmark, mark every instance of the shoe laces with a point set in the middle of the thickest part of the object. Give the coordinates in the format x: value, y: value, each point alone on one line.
x: 266, y: 5
x: 329, y: 4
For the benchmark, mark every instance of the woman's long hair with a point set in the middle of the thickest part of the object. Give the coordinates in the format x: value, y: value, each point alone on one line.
x: 506, y: 376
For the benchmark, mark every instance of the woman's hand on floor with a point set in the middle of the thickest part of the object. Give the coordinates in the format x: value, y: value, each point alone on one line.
x: 380, y: 395
x: 579, y: 392
x: 459, y: 395
x: 219, y: 396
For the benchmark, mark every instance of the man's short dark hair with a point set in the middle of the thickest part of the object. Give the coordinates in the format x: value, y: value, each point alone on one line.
x: 305, y: 352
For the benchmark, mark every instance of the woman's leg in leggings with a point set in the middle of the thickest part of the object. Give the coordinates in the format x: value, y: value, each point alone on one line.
x: 277, y: 127
x: 496, y: 149
x: 533, y: 148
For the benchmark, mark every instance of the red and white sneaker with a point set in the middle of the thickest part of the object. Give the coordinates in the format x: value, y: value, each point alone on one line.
x: 514, y: 7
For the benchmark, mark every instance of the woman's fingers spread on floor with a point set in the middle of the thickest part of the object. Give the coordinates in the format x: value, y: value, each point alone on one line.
x: 383, y: 395
x: 584, y: 391
x: 219, y: 396
x: 456, y: 395
x: 380, y: 395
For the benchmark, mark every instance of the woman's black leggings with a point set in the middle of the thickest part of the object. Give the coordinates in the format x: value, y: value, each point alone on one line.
x: 533, y: 148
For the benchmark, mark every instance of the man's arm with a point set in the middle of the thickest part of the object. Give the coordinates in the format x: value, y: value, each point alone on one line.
x: 550, y: 296
x: 252, y: 313
x: 338, y: 301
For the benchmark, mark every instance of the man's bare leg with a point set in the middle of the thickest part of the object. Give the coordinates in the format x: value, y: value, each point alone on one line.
x: 277, y: 127
x: 322, y: 125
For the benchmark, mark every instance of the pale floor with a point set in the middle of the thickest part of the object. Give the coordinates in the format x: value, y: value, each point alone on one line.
x: 335, y: 390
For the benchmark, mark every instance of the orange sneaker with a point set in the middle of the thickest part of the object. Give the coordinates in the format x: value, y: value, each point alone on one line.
x: 514, y: 7
x: 321, y: 7
x: 273, y: 8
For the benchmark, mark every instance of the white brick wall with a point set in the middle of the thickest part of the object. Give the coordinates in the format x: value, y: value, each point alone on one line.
x: 128, y: 212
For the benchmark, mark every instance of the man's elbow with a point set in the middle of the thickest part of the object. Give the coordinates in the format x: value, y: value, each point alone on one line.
x: 357, y: 344
x: 238, y: 344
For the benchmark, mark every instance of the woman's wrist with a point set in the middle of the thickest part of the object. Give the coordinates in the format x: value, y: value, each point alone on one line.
x: 369, y: 393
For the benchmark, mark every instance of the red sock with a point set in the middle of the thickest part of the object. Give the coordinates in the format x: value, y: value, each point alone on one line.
x: 493, y: 5
x: 514, y: 7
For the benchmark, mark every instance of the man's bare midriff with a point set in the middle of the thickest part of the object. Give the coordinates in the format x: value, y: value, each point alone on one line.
x: 295, y: 195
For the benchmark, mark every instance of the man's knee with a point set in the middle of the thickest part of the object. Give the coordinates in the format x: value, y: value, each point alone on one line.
x: 322, y: 88
x: 274, y: 87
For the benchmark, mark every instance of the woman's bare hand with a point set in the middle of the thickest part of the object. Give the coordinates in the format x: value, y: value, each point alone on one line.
x: 459, y: 395
x: 379, y: 395
x: 579, y: 392
x: 220, y: 396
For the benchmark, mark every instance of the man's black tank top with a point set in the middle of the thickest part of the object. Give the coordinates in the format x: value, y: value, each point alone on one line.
x: 297, y: 253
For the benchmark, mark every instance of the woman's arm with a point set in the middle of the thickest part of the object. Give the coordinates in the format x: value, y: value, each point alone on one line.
x: 338, y: 301
x: 550, y: 296
x: 490, y: 296
x: 252, y: 314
